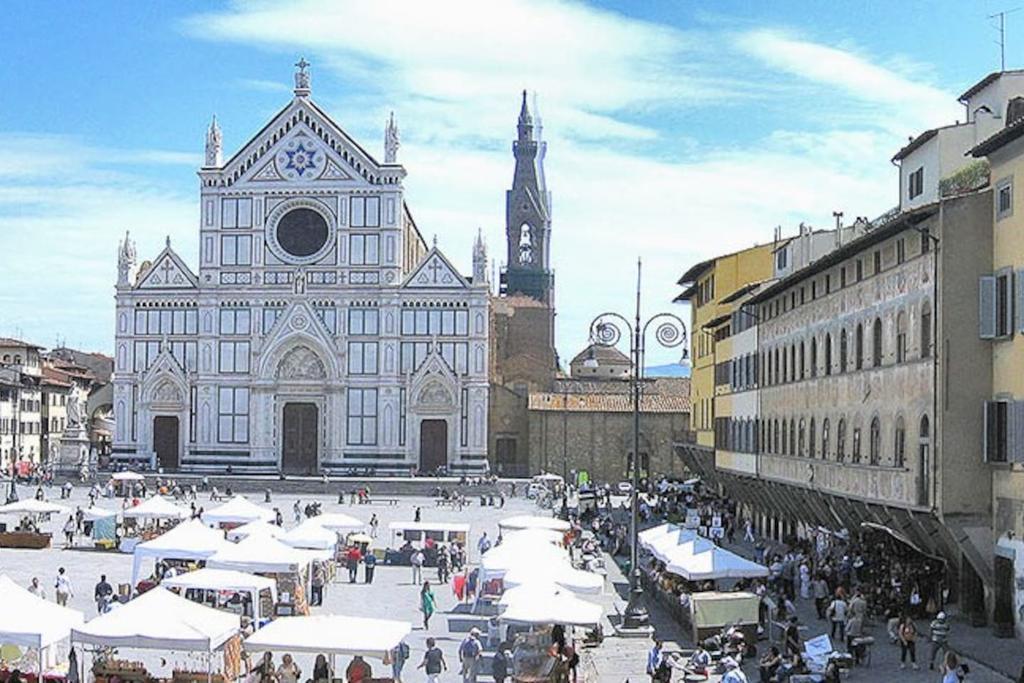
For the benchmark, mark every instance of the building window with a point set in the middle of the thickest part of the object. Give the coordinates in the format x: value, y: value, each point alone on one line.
x: 362, y: 417
x: 233, y: 415
x: 1004, y: 198
x: 926, y: 240
x: 926, y: 330
x: 440, y: 322
x: 856, y: 445
x: 328, y: 316
x: 901, y: 337
x: 464, y: 420
x: 364, y: 250
x: 828, y: 355
x: 1004, y: 304
x: 899, y: 444
x: 842, y: 351
x: 801, y: 444
x: 842, y: 276
x: 915, y: 183
x: 878, y: 261
x: 901, y: 250
x: 363, y: 321
x: 860, y: 269
x: 875, y: 445
x: 803, y: 367
x: 997, y: 433
x: 814, y: 357
x: 233, y: 357
x: 236, y: 213
x: 792, y: 437
x: 811, y: 440
x: 236, y: 250
x: 841, y: 441
x: 362, y: 358
x: 824, y: 439
x: 401, y: 416
x: 780, y: 259
x: 270, y: 316
x: 858, y: 347
x: 876, y: 343
x: 235, y: 321
x: 365, y: 212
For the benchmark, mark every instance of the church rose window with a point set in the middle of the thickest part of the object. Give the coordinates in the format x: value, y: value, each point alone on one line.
x: 302, y: 232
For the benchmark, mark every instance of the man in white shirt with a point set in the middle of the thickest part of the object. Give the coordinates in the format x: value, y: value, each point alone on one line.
x: 417, y: 566
x: 63, y: 587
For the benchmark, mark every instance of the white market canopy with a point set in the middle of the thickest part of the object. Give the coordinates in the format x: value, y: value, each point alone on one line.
x: 155, y: 508
x: 546, y: 604
x: 497, y: 561
x: 238, y: 510
x: 338, y: 521
x: 263, y: 555
x: 682, y: 542
x: 330, y: 634
x: 559, y: 573
x: 528, y: 522
x: 648, y: 535
x: 533, y: 536
x: 31, y: 506
x: 457, y: 527
x: 127, y: 475
x: 91, y: 514
x: 254, y: 528
x: 717, y: 563
x: 310, y: 535
x: 29, y: 621
x: 160, y: 620
x: 191, y: 540
x: 224, y: 580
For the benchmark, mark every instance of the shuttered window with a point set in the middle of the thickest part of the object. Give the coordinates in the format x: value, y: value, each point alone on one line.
x: 987, y: 307
x: 1004, y: 431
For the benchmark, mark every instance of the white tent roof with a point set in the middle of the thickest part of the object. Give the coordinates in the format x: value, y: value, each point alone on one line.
x: 533, y: 536
x: 528, y: 522
x: 671, y: 546
x: 191, y: 540
x: 257, y: 527
x: 91, y: 514
x: 127, y: 476
x: 338, y: 521
x: 648, y: 535
x: 238, y: 510
x: 546, y: 604
x: 156, y: 508
x: 262, y: 554
x: 429, y: 526
x: 31, y: 506
x: 222, y: 580
x: 30, y: 621
x: 311, y: 535
x: 559, y: 573
x: 717, y: 563
x: 504, y: 557
x: 330, y: 634
x: 160, y: 620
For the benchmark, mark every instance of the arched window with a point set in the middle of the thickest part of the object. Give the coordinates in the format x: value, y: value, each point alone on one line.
x: 802, y: 443
x: 814, y: 356
x: 856, y: 446
x: 785, y: 365
x: 828, y: 354
x: 824, y: 439
x: 7, y: 358
x: 841, y: 441
x: 858, y: 347
x: 923, y: 454
x: 901, y: 337
x: 842, y: 351
x: 811, y: 436
x: 792, y: 363
x: 792, y: 437
x: 899, y: 444
x: 875, y: 446
x: 876, y: 343
x: 802, y: 365
x: 775, y: 436
x: 926, y: 330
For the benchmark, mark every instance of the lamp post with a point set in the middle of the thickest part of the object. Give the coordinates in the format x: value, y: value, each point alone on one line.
x: 12, y: 494
x: 565, y: 451
x: 670, y: 332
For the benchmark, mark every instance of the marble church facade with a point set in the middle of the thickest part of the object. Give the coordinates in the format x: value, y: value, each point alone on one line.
x: 319, y: 331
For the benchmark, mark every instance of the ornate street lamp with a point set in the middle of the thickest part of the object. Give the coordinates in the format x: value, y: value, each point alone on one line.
x: 669, y: 332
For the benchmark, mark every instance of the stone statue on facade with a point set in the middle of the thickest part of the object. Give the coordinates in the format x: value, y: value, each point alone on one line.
x: 125, y: 259
x: 214, y: 145
x: 302, y: 77
x: 391, y: 141
x: 76, y: 413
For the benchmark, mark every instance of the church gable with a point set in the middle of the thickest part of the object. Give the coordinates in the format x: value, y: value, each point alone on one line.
x: 302, y: 144
x: 168, y: 272
x: 435, y: 272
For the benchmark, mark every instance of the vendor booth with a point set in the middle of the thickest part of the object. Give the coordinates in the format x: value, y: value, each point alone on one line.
x: 331, y: 635
x: 540, y: 604
x: 407, y: 536
x: 711, y: 611
x: 190, y: 541
x: 124, y: 483
x: 236, y: 512
x: 101, y: 526
x: 30, y: 514
x: 254, y: 528
x: 27, y: 621
x: 530, y: 522
x: 219, y: 588
x: 338, y: 521
x: 561, y: 574
x: 162, y: 621
x: 715, y: 563
x: 310, y: 536
x: 155, y: 508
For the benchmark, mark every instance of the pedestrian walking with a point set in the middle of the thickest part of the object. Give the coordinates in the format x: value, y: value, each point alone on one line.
x: 416, y: 561
x: 819, y: 588
x: 297, y: 512
x: 792, y: 637
x: 428, y: 604
x: 416, y: 516
x: 316, y: 582
x: 939, y: 636
x: 837, y: 615
x: 69, y: 531
x: 352, y: 559
x: 399, y: 656
x: 470, y: 652
x: 433, y: 662
x: 102, y: 594
x: 484, y: 544
x: 908, y: 643
x: 62, y: 586
x: 748, y: 531
x: 36, y: 588
x: 374, y: 523
x: 369, y: 566
x: 443, y: 564
x: 500, y: 663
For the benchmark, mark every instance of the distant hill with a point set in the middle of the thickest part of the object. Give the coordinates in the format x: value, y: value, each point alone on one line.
x: 668, y: 370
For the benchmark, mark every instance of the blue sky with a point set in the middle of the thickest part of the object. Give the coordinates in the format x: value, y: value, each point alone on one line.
x: 675, y: 130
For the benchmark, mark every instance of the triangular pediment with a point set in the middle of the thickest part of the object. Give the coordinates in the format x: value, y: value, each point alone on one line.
x: 297, y: 326
x: 304, y: 145
x: 168, y: 272
x: 435, y: 272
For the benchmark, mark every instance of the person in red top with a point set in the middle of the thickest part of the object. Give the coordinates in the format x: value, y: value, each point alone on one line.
x: 358, y: 670
x: 352, y: 559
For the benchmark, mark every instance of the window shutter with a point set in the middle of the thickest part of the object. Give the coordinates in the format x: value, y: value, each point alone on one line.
x: 1015, y: 452
x: 1010, y: 301
x: 985, y: 428
x: 987, y: 307
x: 1018, y: 303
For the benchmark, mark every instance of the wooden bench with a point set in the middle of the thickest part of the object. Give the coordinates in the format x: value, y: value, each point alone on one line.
x: 382, y: 501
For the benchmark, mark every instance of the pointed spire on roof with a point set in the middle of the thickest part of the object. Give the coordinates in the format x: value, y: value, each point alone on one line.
x: 168, y: 241
x: 391, y: 141
x: 214, y: 145
x: 125, y: 259
x: 524, y: 113
x: 302, y: 88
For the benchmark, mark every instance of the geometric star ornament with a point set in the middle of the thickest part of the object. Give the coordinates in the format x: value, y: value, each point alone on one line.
x: 301, y: 159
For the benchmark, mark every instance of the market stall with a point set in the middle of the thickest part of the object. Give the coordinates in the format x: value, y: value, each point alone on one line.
x: 124, y: 483
x: 561, y: 574
x: 253, y: 528
x: 311, y: 536
x: 190, y: 541
x: 236, y: 512
x: 532, y: 522
x: 160, y: 620
x: 534, y: 535
x: 679, y: 544
x: 27, y: 621
x: 101, y: 526
x: 408, y: 536
x: 714, y: 564
x: 218, y: 588
x: 30, y: 514
x: 330, y: 634
x: 338, y: 521
x: 541, y: 604
x: 711, y: 611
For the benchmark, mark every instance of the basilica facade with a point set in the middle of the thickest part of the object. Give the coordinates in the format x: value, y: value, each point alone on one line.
x: 319, y: 332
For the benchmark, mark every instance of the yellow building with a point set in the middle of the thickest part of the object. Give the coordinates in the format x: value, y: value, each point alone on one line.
x: 1001, y: 315
x: 708, y: 286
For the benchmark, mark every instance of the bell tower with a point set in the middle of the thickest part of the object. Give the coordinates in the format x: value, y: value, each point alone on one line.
x: 528, y: 217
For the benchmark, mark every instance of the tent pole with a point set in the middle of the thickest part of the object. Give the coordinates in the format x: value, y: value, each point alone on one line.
x: 209, y: 667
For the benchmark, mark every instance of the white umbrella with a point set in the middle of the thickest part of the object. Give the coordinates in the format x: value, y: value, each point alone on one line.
x: 330, y: 634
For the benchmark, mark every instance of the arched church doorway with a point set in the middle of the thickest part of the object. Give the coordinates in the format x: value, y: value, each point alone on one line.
x: 433, y: 445
x: 165, y: 441
x: 299, y: 445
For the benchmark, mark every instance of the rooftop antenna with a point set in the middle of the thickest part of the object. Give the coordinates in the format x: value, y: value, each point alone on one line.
x: 1002, y: 34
